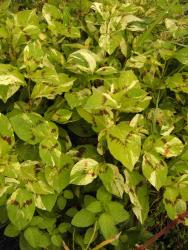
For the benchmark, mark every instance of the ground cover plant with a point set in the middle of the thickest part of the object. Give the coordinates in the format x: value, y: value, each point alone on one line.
x: 93, y: 122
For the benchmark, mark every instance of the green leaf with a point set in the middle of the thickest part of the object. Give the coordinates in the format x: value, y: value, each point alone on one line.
x: 26, y: 17
x: 64, y: 227
x: 117, y: 211
x: 43, y: 222
x: 83, y: 218
x: 124, y: 144
x: 32, y: 128
x: 128, y: 93
x: 133, y: 100
x: 57, y: 240
x: 84, y: 172
x: 23, y: 244
x: 81, y: 128
x: 174, y: 205
x: 49, y: 83
x: 178, y: 82
x: 27, y: 152
x: 112, y: 179
x: 50, y: 152
x: 137, y: 61
x: 58, y: 179
x: 61, y: 202
x: 51, y: 12
x: 36, y: 237
x: 126, y: 81
x: 138, y: 193
x: 56, y: 21
x: 40, y: 185
x: 28, y: 170
x: 107, y: 227
x: 68, y: 194
x: 76, y: 99
x: 99, y: 99
x: 169, y: 146
x: 6, y: 135
x: 103, y: 195
x: 90, y: 235
x: 55, y: 56
x: 154, y: 169
x: 109, y: 42
x: 106, y: 70
x: 94, y: 207
x: 33, y: 55
x: 11, y: 231
x: 10, y: 81
x: 182, y: 55
x: 82, y: 61
x: 45, y: 202
x: 20, y: 208
x: 88, y: 199
x: 61, y: 115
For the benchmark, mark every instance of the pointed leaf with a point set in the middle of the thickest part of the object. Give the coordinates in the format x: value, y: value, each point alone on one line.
x: 107, y: 227
x: 112, y: 179
x: 83, y: 218
x: 10, y: 81
x: 20, y: 208
x: 124, y: 144
x: 50, y: 152
x: 36, y: 237
x: 84, y: 172
x: 154, y: 169
x: 82, y: 61
x: 169, y: 146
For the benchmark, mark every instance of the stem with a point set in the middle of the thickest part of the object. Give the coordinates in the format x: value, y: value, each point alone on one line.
x: 73, y: 239
x: 65, y: 246
x: 155, y: 114
x: 164, y: 231
x: 106, y: 242
x: 92, y: 237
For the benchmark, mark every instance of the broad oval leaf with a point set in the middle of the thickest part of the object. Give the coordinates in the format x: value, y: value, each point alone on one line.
x: 95, y: 207
x: 174, y: 205
x: 107, y: 227
x: 124, y: 144
x: 36, y: 237
x: 10, y: 81
x: 11, y: 231
x: 182, y: 55
x: 138, y: 193
x: 6, y: 135
x: 32, y: 128
x: 83, y: 218
x: 21, y: 208
x: 117, y: 211
x: 155, y: 169
x: 82, y: 61
x: 169, y: 146
x: 49, y: 83
x: 178, y: 82
x: 50, y: 152
x: 112, y: 179
x: 84, y: 172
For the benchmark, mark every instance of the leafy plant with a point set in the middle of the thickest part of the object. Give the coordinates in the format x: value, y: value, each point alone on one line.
x: 93, y: 120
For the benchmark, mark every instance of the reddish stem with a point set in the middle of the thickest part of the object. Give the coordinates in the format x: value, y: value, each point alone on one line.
x: 164, y: 231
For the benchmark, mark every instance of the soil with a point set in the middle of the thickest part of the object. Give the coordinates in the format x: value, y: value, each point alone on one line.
x: 7, y: 243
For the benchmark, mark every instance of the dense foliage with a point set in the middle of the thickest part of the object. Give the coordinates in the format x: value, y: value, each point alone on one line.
x: 93, y: 120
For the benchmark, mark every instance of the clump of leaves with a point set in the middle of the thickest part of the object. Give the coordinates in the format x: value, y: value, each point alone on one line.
x: 93, y: 120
